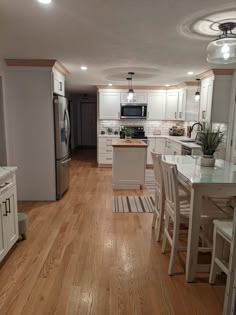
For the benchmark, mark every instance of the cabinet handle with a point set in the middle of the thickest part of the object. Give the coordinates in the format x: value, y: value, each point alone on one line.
x: 148, y: 114
x: 203, y: 114
x: 180, y: 114
x: 60, y: 86
x: 175, y: 115
x: 9, y: 205
x: 5, y: 203
x: 118, y: 114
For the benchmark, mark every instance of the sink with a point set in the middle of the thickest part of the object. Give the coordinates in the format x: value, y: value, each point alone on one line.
x: 189, y: 141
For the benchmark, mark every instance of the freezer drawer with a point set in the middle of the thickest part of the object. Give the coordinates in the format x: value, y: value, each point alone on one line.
x: 62, y: 176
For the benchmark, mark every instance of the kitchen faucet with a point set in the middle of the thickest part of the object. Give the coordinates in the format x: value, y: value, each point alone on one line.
x: 190, y: 129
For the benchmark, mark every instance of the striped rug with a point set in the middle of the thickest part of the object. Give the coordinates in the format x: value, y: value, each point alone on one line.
x: 150, y: 181
x: 142, y: 204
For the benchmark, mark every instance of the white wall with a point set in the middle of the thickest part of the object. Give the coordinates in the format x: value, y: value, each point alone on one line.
x: 30, y: 131
x: 3, y: 151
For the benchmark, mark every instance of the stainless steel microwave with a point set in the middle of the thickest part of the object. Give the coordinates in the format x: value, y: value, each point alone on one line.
x: 133, y: 111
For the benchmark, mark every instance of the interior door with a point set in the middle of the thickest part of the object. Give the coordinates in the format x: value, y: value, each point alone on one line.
x: 89, y: 124
x: 62, y: 127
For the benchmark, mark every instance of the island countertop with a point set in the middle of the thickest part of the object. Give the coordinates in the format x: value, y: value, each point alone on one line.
x: 128, y: 143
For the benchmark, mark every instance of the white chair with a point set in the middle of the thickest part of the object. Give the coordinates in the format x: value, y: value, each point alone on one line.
x: 158, y: 216
x: 224, y: 232
x: 179, y: 211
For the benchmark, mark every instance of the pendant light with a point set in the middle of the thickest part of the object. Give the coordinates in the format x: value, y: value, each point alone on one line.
x: 130, y: 95
x: 197, y: 94
x: 222, y: 50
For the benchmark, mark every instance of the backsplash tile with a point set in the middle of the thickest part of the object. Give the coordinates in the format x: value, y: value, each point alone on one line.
x: 149, y: 126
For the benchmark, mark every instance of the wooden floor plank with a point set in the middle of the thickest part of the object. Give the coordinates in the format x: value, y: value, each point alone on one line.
x: 80, y: 258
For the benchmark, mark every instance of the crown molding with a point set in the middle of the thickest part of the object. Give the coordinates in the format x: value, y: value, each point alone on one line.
x: 154, y: 88
x: 51, y: 63
x: 212, y: 72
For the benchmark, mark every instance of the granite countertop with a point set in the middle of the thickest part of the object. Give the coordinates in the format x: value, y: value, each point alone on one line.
x: 128, y: 143
x: 6, y: 171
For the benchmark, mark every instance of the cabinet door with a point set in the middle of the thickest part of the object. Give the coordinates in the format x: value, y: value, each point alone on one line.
x: 3, y: 225
x: 160, y: 146
x: 139, y: 97
x: 171, y: 105
x: 181, y: 105
x: 151, y: 147
x: 12, y: 219
x: 206, y: 95
x: 109, y: 105
x: 156, y: 105
x: 58, y: 84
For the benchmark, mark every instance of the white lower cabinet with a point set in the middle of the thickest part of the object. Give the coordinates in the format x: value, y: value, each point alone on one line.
x: 8, y: 221
x: 172, y: 148
x: 156, y: 145
x: 105, y: 150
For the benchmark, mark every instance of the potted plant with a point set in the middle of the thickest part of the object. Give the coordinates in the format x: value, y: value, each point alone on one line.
x: 209, y: 141
x: 109, y: 130
x: 128, y: 133
x: 102, y: 132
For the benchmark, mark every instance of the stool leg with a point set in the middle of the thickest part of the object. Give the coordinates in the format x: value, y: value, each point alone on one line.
x: 216, y: 253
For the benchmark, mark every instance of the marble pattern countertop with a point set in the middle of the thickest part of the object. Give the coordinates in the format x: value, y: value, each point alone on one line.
x: 128, y: 143
x: 6, y: 172
x: 177, y: 139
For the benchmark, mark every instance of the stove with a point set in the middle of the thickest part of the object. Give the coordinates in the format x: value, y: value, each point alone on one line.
x: 138, y: 132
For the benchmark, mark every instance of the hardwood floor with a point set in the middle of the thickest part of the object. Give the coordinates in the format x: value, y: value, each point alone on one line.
x: 80, y: 258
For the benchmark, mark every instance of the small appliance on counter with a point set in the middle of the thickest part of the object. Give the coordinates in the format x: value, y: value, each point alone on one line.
x: 138, y: 132
x: 176, y: 131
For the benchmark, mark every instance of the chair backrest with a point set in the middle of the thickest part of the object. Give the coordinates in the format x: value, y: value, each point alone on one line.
x: 171, y: 187
x: 158, y: 174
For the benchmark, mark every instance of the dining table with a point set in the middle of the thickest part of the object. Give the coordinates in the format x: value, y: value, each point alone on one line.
x: 218, y: 181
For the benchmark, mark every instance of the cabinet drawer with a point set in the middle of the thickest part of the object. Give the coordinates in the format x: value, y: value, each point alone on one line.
x: 105, y: 160
x: 7, y: 184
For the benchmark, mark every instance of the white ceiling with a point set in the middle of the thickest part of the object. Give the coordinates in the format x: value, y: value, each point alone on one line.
x: 111, y: 37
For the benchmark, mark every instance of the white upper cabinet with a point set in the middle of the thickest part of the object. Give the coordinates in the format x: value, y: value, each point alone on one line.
x: 192, y: 106
x: 58, y: 83
x: 215, y: 97
x: 181, y: 105
x: 139, y: 97
x: 171, y: 110
x: 206, y: 99
x: 109, y: 105
x: 156, y: 105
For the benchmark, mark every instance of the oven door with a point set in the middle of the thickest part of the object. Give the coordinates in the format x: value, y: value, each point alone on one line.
x: 133, y: 111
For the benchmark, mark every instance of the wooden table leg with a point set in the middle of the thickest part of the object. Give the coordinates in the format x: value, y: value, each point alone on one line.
x: 193, y: 234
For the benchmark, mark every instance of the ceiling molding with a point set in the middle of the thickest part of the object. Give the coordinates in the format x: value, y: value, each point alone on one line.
x: 212, y: 72
x: 124, y: 87
x: 52, y: 63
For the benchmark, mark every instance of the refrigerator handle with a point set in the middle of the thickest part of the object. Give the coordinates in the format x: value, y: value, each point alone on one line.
x: 68, y: 124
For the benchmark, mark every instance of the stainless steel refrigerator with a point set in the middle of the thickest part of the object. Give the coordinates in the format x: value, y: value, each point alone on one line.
x: 62, y: 143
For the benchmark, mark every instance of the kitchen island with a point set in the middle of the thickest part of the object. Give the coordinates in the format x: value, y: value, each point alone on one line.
x: 129, y: 163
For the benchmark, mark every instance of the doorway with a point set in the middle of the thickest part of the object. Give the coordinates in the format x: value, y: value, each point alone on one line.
x: 88, y: 124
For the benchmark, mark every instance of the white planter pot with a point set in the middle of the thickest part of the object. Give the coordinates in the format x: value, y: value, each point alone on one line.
x: 207, y: 160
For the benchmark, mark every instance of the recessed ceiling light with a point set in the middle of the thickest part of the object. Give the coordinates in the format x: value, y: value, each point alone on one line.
x: 84, y: 68
x: 190, y: 73
x: 109, y: 84
x: 167, y: 85
x: 45, y: 1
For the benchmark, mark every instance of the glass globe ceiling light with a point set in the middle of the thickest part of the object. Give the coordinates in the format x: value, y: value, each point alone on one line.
x: 130, y: 95
x: 223, y: 49
x: 197, y: 94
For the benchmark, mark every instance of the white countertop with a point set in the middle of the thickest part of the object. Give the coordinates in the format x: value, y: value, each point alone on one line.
x: 177, y: 139
x: 7, y: 171
x: 189, y: 166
